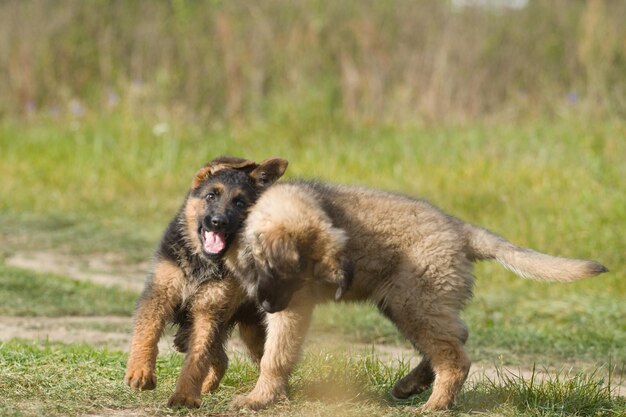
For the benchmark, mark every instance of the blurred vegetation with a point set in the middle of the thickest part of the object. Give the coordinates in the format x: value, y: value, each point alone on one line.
x: 364, y: 60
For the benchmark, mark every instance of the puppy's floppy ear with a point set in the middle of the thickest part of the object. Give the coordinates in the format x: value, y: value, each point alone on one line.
x: 222, y: 162
x: 269, y: 171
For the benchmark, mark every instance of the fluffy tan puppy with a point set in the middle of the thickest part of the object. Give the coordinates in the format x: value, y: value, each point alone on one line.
x: 407, y: 256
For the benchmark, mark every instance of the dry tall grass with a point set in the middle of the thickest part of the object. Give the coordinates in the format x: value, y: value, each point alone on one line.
x: 372, y: 60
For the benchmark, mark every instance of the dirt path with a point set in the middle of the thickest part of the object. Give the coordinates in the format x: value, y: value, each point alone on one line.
x: 103, y: 269
x: 100, y: 331
x: 112, y: 332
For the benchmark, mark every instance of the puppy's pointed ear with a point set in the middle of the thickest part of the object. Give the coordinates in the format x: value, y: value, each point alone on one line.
x: 223, y: 162
x: 269, y: 171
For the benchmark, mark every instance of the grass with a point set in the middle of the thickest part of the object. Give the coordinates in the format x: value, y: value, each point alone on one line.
x: 70, y: 380
x: 26, y: 293
x: 328, y: 382
x: 561, y: 393
x: 590, y: 329
x: 514, y: 329
x: 110, y: 184
x: 78, y: 379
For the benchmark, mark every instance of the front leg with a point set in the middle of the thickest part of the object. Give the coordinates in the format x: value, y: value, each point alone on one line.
x: 205, y: 353
x: 210, y: 312
x: 154, y: 307
x: 285, y: 335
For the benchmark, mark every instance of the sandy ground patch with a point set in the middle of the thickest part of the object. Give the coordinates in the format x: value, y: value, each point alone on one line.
x: 105, y: 269
x: 109, y: 332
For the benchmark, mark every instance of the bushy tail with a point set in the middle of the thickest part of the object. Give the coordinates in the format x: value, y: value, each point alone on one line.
x: 484, y: 245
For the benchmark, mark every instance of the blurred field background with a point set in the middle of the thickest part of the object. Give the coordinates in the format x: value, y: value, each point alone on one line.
x: 225, y: 61
x: 510, y: 118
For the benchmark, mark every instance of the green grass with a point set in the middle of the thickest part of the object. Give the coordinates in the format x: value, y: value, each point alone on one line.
x: 516, y: 327
x: 111, y: 185
x: 70, y: 380
x: 561, y: 393
x: 328, y: 382
x: 590, y: 329
x: 78, y: 379
x: 26, y: 293
x: 531, y: 321
x: 398, y: 60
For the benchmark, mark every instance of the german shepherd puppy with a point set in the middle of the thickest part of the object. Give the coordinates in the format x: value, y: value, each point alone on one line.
x: 189, y: 285
x: 408, y: 257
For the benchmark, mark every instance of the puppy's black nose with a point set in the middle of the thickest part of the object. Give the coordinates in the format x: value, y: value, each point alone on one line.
x: 219, y: 221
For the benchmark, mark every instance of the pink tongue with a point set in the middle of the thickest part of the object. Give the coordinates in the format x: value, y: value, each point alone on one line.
x: 213, y: 242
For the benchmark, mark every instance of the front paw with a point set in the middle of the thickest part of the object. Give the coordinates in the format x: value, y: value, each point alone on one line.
x: 255, y: 402
x: 140, y: 378
x: 184, y: 400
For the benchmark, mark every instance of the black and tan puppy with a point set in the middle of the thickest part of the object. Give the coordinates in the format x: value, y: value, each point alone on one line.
x: 190, y: 286
x: 410, y: 258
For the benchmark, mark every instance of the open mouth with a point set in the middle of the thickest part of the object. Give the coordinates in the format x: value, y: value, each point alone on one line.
x: 213, y: 243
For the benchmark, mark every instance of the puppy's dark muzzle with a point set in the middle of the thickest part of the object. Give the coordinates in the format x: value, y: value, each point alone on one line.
x: 270, y: 307
x: 273, y: 301
x: 273, y: 293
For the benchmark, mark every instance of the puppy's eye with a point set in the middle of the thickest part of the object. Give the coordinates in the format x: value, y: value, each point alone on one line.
x: 240, y: 204
x: 211, y: 196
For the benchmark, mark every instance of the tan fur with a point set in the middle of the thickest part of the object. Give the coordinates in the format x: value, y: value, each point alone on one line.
x: 287, y: 227
x: 254, y: 339
x: 150, y: 319
x: 192, y: 208
x: 410, y: 258
x: 286, y: 332
x: 224, y: 162
x: 287, y: 231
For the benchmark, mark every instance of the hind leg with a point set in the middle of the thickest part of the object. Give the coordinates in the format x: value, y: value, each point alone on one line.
x: 433, y: 326
x: 217, y: 369
x: 415, y: 382
x: 442, y: 344
x: 253, y: 336
x: 451, y: 366
x: 419, y: 379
